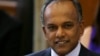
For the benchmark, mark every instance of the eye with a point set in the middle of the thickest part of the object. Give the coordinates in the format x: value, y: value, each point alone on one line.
x: 51, y: 27
x: 68, y: 25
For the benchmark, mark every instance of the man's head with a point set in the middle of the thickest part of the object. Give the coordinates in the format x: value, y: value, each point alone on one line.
x: 62, y: 25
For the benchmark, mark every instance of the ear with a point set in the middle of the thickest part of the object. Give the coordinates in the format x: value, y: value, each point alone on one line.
x: 44, y: 30
x: 81, y: 27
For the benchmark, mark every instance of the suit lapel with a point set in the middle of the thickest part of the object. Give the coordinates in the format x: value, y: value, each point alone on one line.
x: 84, y: 51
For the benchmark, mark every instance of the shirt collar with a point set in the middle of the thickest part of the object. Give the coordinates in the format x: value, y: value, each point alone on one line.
x: 74, y: 52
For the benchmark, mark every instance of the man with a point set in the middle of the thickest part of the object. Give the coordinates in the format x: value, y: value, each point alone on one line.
x: 63, y: 26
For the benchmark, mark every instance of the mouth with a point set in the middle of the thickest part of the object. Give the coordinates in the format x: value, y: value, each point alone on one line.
x: 61, y: 42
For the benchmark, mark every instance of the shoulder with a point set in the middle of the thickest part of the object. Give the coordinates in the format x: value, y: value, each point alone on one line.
x: 40, y: 53
x: 93, y: 53
x: 86, y: 52
x: 36, y: 53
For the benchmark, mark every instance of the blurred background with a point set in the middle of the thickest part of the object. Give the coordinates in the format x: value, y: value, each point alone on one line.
x: 20, y: 25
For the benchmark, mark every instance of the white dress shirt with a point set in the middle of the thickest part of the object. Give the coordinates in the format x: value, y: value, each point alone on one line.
x: 74, y: 52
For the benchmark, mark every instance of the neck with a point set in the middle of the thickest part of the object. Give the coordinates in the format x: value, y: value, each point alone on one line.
x: 61, y: 54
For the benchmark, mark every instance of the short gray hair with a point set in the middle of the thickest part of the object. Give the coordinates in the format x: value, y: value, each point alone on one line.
x: 75, y: 2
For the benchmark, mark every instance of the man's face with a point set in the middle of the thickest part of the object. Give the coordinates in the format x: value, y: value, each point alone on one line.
x: 62, y: 29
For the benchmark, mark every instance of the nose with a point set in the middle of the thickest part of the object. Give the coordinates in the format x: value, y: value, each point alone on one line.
x: 60, y: 33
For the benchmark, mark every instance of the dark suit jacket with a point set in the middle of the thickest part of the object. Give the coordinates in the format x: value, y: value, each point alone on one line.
x: 83, y: 52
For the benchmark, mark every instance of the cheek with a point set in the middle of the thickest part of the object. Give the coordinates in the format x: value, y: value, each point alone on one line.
x: 74, y: 34
x: 50, y: 36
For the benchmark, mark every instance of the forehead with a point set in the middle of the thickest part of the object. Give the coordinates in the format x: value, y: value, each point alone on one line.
x: 61, y: 8
x: 67, y: 5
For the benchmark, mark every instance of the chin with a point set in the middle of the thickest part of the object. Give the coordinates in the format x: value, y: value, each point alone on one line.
x: 62, y: 51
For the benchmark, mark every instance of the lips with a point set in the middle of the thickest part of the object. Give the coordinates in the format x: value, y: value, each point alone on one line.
x: 61, y: 42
